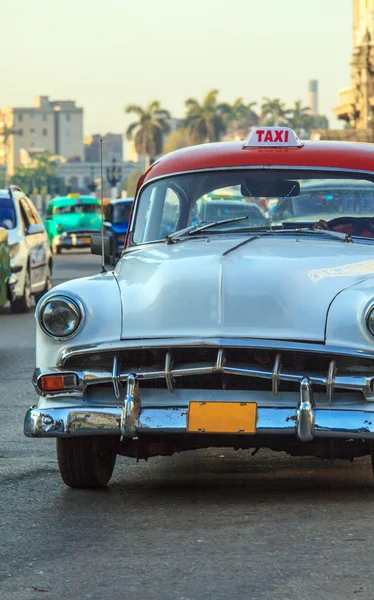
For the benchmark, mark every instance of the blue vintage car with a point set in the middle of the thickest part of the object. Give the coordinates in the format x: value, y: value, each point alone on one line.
x: 117, y: 219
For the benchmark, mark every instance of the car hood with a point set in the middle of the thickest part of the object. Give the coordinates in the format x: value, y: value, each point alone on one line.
x: 78, y: 221
x: 270, y: 287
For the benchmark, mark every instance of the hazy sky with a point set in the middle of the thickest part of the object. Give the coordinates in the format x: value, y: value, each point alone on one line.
x: 107, y: 53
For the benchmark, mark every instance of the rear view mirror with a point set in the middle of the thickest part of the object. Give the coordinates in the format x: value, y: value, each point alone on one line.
x: 110, y: 245
x: 277, y: 188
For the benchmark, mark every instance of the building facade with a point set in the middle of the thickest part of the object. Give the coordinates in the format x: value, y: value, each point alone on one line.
x: 112, y: 147
x: 48, y: 126
x: 356, y: 104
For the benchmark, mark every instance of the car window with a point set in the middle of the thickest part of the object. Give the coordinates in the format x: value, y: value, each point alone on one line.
x: 27, y: 212
x: 34, y: 211
x: 121, y: 212
x: 160, y: 215
x: 8, y: 218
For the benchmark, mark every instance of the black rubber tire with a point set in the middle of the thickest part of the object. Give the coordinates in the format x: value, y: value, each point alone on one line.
x: 47, y: 287
x: 86, y: 462
x: 24, y: 303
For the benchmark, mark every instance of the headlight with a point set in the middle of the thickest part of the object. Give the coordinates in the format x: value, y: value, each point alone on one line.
x: 370, y: 320
x: 61, y: 316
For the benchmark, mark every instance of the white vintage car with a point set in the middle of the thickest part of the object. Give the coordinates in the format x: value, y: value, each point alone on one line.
x: 224, y: 333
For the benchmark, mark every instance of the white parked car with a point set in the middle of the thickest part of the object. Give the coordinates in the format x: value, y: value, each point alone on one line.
x: 30, y: 253
x: 230, y: 333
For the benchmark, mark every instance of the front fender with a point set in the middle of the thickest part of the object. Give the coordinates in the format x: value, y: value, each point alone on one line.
x: 100, y: 297
x: 346, y: 318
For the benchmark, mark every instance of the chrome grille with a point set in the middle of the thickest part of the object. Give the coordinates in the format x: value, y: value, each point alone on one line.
x: 227, y: 368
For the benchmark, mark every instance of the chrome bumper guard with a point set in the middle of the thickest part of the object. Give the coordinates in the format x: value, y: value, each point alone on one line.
x: 130, y: 419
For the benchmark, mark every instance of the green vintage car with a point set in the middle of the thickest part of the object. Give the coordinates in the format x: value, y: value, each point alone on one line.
x: 70, y: 221
x: 7, y: 280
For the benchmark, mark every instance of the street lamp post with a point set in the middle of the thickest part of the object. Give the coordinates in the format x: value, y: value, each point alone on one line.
x: 92, y: 185
x: 113, y: 175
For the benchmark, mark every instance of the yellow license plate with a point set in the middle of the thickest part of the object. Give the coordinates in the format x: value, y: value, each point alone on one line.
x: 85, y: 240
x: 222, y: 417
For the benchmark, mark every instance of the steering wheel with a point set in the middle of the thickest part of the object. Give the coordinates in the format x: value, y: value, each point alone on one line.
x: 353, y: 226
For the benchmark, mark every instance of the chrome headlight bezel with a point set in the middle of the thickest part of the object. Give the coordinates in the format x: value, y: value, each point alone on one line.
x: 74, y: 303
x: 369, y: 317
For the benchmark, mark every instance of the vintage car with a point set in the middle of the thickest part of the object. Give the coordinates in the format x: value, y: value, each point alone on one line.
x: 71, y: 220
x: 117, y: 219
x: 7, y: 279
x: 222, y: 334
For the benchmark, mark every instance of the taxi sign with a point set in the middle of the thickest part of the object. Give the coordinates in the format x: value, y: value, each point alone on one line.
x: 273, y: 137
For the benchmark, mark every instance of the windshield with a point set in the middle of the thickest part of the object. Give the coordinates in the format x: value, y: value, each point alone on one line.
x: 76, y: 208
x: 7, y: 214
x: 121, y: 213
x: 269, y: 199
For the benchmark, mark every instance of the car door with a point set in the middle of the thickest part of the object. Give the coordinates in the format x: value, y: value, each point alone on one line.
x: 36, y: 245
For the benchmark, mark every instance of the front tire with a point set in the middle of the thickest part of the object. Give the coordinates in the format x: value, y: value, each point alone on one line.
x: 86, y: 462
x: 23, y: 304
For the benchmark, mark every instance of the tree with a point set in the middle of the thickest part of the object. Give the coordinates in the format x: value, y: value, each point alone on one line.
x: 206, y: 122
x: 149, y: 129
x: 42, y: 176
x: 180, y: 138
x: 300, y: 118
x: 242, y: 117
x: 273, y: 112
x: 131, y: 182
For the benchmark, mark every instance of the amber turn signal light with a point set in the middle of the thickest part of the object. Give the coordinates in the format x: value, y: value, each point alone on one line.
x: 54, y: 383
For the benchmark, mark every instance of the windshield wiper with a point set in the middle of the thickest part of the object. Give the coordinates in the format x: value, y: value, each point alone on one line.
x: 344, y: 237
x: 192, y: 229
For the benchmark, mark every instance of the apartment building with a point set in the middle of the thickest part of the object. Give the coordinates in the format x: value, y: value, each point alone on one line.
x: 54, y: 126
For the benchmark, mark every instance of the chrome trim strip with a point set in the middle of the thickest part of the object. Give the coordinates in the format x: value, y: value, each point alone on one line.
x: 116, y: 377
x: 85, y: 420
x: 331, y: 376
x: 168, y: 371
x: 221, y: 342
x: 275, y: 374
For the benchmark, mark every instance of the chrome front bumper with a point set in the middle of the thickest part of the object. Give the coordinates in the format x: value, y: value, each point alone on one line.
x: 130, y: 419
x: 67, y: 422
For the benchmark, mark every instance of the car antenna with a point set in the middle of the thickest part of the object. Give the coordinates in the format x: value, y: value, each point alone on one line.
x: 103, y: 269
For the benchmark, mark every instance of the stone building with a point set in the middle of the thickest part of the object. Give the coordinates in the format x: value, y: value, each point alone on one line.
x: 54, y: 126
x: 356, y: 104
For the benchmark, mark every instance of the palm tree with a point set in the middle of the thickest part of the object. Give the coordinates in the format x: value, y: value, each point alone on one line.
x: 206, y: 122
x: 300, y: 118
x: 242, y: 117
x: 149, y: 130
x: 273, y: 112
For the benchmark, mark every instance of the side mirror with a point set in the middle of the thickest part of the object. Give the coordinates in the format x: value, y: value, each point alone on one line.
x: 35, y: 228
x: 110, y: 245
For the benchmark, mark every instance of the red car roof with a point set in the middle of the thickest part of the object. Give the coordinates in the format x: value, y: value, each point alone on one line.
x: 338, y: 155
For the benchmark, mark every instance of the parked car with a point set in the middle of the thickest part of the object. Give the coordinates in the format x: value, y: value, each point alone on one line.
x: 7, y: 279
x: 117, y: 219
x: 223, y: 333
x: 30, y: 254
x: 71, y: 220
x: 212, y: 210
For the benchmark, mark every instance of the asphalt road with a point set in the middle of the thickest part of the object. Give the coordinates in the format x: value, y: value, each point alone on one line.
x: 201, y: 525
